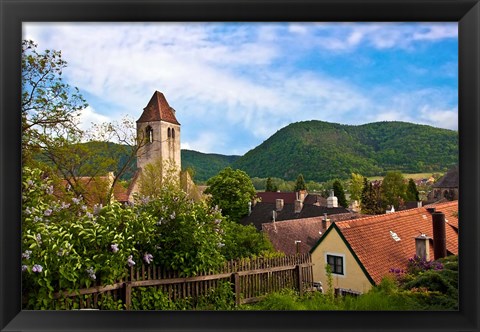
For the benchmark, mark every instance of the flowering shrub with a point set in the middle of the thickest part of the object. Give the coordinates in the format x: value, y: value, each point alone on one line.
x: 417, y: 265
x: 68, y: 246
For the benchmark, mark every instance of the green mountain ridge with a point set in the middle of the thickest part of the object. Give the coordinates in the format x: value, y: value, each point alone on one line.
x: 322, y: 151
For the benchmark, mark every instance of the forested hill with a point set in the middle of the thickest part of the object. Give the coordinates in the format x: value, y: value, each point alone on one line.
x: 322, y: 151
x: 205, y: 165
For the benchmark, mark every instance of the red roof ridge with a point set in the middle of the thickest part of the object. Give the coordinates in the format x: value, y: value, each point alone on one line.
x: 158, y: 109
x: 382, y: 217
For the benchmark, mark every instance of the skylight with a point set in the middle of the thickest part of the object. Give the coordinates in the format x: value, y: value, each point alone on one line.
x: 395, y: 236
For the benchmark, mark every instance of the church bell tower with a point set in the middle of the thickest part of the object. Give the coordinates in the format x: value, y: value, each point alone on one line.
x: 158, y: 133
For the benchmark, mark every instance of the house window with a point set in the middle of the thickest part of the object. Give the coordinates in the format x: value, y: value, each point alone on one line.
x: 336, y: 263
x: 149, y: 132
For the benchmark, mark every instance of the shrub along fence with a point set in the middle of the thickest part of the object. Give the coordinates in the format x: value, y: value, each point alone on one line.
x: 250, y: 279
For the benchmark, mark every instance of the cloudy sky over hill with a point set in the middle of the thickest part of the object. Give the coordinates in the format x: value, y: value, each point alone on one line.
x: 233, y: 85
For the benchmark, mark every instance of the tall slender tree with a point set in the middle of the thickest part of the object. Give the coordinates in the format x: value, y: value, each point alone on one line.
x: 339, y: 193
x: 300, y: 183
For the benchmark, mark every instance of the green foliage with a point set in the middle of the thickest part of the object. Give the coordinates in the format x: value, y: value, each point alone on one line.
x: 340, y: 193
x: 49, y: 107
x: 231, y: 190
x: 412, y: 193
x: 393, y: 188
x: 355, y: 187
x: 205, y: 165
x: 269, y: 186
x: 330, y: 295
x: 322, y: 151
x: 244, y: 241
x: 300, y: 183
x: 371, y: 202
x: 68, y: 246
x: 153, y: 298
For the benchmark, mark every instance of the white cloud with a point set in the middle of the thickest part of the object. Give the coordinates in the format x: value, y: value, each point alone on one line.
x: 89, y: 116
x: 443, y: 118
x: 203, y: 142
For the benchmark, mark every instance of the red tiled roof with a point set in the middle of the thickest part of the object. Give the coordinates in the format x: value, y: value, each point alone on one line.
x: 272, y: 196
x: 95, y: 187
x: 372, y: 241
x: 158, y: 109
x: 283, y: 234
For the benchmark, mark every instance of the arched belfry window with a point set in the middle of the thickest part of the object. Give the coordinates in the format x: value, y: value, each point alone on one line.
x: 149, y: 132
x: 173, y: 133
x: 169, y: 132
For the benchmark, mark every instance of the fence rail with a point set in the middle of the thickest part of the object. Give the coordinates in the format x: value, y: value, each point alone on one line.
x: 251, y: 279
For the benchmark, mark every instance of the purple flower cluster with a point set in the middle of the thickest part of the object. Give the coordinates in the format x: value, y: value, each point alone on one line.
x: 130, y: 261
x: 417, y: 264
x: 37, y: 268
x: 27, y: 254
x: 148, y: 258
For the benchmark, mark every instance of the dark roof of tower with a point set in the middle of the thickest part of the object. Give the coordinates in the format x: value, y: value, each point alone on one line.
x: 449, y: 180
x: 158, y: 109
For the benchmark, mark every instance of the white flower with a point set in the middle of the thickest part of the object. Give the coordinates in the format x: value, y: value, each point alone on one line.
x: 130, y: 261
x: 114, y: 247
x: 47, y: 212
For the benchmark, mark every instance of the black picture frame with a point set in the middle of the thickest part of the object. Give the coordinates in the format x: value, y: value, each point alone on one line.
x: 14, y: 12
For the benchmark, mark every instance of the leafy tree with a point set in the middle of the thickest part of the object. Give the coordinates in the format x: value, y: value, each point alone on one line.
x: 371, y: 198
x: 231, y: 190
x: 393, y: 188
x: 356, y: 185
x: 412, y: 193
x: 49, y: 107
x: 339, y: 193
x: 244, y: 241
x: 300, y: 183
x: 269, y: 186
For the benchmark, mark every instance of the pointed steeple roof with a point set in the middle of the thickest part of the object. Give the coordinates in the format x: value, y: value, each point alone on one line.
x: 158, y: 109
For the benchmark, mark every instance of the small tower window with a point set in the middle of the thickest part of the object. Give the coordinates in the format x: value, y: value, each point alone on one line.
x: 173, y: 133
x: 169, y: 132
x: 149, y: 132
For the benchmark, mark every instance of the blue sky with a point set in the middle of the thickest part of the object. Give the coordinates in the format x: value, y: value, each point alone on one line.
x: 233, y: 85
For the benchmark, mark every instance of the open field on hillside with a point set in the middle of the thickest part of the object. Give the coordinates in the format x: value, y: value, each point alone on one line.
x: 415, y: 176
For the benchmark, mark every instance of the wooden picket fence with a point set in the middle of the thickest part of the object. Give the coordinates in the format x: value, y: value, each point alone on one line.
x: 251, y: 279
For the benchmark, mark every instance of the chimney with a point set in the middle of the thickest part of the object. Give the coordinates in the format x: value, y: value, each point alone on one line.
x: 298, y: 206
x: 325, y: 222
x: 391, y: 210
x: 422, y: 247
x: 419, y: 204
x: 332, y: 201
x: 279, y: 204
x: 439, y: 235
x: 249, y: 207
x: 431, y: 209
x: 301, y: 195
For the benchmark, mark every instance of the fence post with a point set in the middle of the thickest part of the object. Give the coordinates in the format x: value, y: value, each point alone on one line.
x: 128, y: 295
x: 236, y: 287
x: 299, y: 273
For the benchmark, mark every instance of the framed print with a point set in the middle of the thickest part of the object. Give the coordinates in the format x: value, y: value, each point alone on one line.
x: 231, y: 83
